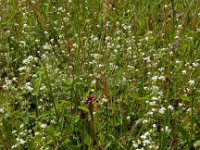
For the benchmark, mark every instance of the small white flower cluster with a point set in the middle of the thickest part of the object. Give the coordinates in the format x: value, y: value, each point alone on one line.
x: 113, y: 66
x: 23, y: 68
x: 28, y: 64
x: 22, y: 136
x: 104, y: 100
x: 20, y: 141
x: 156, y: 78
x: 28, y: 86
x: 153, y: 100
x: 191, y: 82
x: 162, y: 110
x: 43, y: 125
x: 96, y: 56
x: 46, y: 46
x: 144, y: 142
x: 166, y: 129
x: 30, y: 59
x: 8, y: 84
x: 2, y: 110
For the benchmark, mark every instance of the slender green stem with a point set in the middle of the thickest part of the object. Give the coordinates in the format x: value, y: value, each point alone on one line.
x: 50, y: 89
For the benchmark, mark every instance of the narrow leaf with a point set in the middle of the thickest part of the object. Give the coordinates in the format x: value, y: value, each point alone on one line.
x: 183, y: 132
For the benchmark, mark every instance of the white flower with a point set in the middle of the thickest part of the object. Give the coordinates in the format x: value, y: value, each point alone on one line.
x: 96, y: 56
x: 37, y: 133
x: 46, y: 46
x: 25, y: 25
x: 191, y: 82
x: 154, y: 125
x: 147, y: 133
x: 165, y: 6
x: 128, y: 117
x: 180, y: 104
x: 152, y: 103
x: 14, y: 131
x: 21, y: 141
x: 160, y: 93
x: 161, y: 69
x: 176, y: 37
x: 100, y: 65
x: 23, y: 43
x: 166, y: 129
x: 28, y: 60
x: 146, y: 142
x: 184, y: 72
x: 43, y: 125
x: 154, y: 78
x: 135, y: 144
x: 143, y: 137
x: 138, y: 141
x: 21, y: 133
x: 180, y: 26
x: 150, y: 113
x: 28, y: 86
x: 104, y: 100
x: 146, y: 38
x: 131, y: 67
x: 154, y: 110
x: 37, y: 41
x: 14, y: 146
x: 1, y: 110
x: 162, y: 110
x: 22, y: 68
x: 154, y: 98
x: 43, y: 138
x: 43, y: 87
x: 170, y: 107
x: 93, y: 82
x: 195, y: 64
x: 144, y: 121
x: 21, y: 126
x: 14, y: 79
x: 161, y: 78
x: 147, y: 59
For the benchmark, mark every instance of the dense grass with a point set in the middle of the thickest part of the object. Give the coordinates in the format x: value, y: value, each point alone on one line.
x: 100, y: 74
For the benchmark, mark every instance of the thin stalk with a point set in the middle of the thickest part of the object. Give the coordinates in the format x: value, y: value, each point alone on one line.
x: 50, y: 89
x: 173, y: 14
x: 93, y: 130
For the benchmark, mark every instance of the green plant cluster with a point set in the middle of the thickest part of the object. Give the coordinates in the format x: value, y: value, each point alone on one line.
x: 100, y: 74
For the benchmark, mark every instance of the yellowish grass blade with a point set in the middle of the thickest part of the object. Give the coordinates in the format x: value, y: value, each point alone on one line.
x: 41, y: 18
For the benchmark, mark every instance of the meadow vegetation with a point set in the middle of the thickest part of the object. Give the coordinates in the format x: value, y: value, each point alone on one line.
x: 100, y: 74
